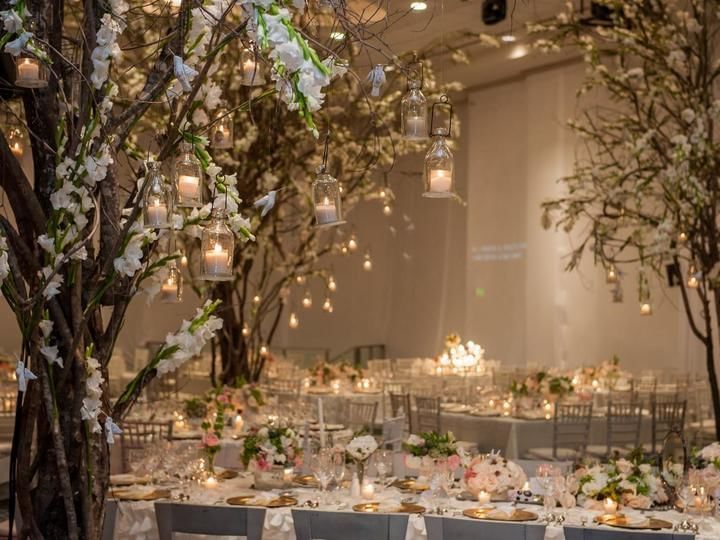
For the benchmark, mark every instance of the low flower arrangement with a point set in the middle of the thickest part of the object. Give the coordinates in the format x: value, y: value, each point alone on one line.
x: 195, y: 408
x: 323, y: 373
x: 607, y: 375
x: 707, y: 462
x: 543, y: 384
x: 273, y: 444
x: 632, y: 483
x: 429, y: 449
x: 493, y: 474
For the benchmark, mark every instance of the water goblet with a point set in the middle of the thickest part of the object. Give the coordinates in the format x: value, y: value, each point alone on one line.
x: 323, y: 468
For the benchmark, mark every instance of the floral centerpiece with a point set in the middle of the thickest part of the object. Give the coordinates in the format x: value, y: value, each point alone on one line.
x: 457, y: 356
x: 195, y: 409
x: 632, y: 483
x: 606, y: 375
x: 359, y: 450
x: 268, y: 450
x: 543, y: 384
x: 217, y: 402
x: 323, y: 373
x: 707, y: 462
x: 493, y: 474
x: 429, y: 449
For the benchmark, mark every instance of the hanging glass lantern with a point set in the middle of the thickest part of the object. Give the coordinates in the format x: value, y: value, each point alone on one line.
x: 300, y: 280
x: 157, y: 202
x: 332, y: 284
x: 692, y: 278
x: 252, y: 73
x: 439, y: 159
x: 218, y: 246
x: 307, y: 300
x: 171, y: 288
x: 611, y: 276
x: 327, y: 305
x: 367, y: 262
x: 256, y: 299
x: 16, y: 141
x: 30, y: 72
x: 413, y: 107
x: 293, y: 322
x: 245, y: 330
x: 352, y: 243
x: 644, y: 295
x: 222, y: 131
x: 326, y: 195
x: 188, y: 178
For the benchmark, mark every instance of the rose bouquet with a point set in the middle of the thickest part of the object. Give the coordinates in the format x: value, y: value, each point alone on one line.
x: 631, y: 483
x: 273, y: 444
x: 493, y: 474
x: 359, y: 450
x: 428, y: 449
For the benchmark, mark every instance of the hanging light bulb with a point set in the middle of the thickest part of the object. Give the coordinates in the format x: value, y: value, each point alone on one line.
x: 439, y: 159
x: 307, y: 300
x: 16, y: 141
x: 31, y: 72
x: 352, y: 243
x: 252, y: 73
x: 218, y: 246
x: 256, y: 299
x: 293, y: 322
x: 692, y: 278
x: 327, y: 305
x: 413, y: 107
x: 157, y: 201
x: 300, y: 280
x: 221, y: 136
x: 171, y: 288
x: 188, y: 178
x: 332, y: 284
x: 326, y: 195
x: 245, y: 330
x: 611, y: 276
x: 644, y: 295
x: 367, y: 262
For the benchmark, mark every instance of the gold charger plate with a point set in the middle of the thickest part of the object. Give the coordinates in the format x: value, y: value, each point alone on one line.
x: 135, y: 495
x: 128, y: 479
x: 306, y: 480
x: 490, y: 513
x: 410, y: 484
x: 253, y: 500
x: 374, y: 507
x: 620, y: 521
x: 227, y: 474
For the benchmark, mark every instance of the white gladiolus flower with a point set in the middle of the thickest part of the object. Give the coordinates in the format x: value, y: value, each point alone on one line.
x: 16, y: 46
x: 51, y: 354
x: 46, y: 327
x: 11, y: 21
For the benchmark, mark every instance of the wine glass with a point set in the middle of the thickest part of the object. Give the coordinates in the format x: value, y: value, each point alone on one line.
x: 339, y: 470
x: 323, y: 468
x: 383, y: 464
x: 547, y: 474
x: 685, y: 492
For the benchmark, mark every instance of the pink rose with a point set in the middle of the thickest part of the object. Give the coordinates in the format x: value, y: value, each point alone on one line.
x: 210, y: 440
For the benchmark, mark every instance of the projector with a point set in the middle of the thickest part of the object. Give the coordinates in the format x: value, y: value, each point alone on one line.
x: 494, y: 11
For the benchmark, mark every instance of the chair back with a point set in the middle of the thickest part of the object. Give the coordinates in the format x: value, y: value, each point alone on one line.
x: 571, y: 427
x: 591, y: 533
x: 623, y: 424
x: 428, y: 414
x: 399, y: 404
x: 138, y: 435
x: 209, y: 520
x: 392, y: 433
x: 666, y: 415
x: 315, y: 525
x: 108, y: 529
x: 442, y: 528
x: 362, y: 415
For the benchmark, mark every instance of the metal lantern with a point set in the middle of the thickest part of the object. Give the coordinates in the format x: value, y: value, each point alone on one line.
x: 30, y: 71
x: 218, y: 246
x: 188, y: 178
x: 439, y: 160
x: 222, y: 131
x: 326, y: 195
x: 413, y: 107
x: 252, y: 74
x: 172, y: 287
x: 158, y: 199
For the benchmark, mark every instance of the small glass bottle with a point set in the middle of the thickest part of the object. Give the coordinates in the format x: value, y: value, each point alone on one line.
x: 188, y: 178
x: 157, y: 202
x: 439, y: 167
x: 218, y: 246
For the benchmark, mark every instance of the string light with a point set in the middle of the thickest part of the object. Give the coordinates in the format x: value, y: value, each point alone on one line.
x: 293, y: 322
x: 307, y: 300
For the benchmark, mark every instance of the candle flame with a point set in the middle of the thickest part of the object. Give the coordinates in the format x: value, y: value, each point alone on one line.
x: 217, y: 248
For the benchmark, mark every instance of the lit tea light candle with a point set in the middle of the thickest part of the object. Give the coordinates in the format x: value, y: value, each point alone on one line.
x: 326, y: 212
x: 610, y: 506
x: 157, y: 214
x: 28, y: 70
x: 17, y: 149
x: 188, y: 186
x: 526, y: 486
x: 440, y: 180
x: 238, y: 423
x: 169, y: 288
x: 483, y: 497
x: 288, y: 475
x: 367, y: 490
x: 335, y: 385
x: 216, y: 260
x: 415, y: 127
x: 211, y: 482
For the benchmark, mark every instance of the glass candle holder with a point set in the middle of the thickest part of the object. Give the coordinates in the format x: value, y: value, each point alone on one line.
x: 221, y: 137
x: 157, y: 202
x: 326, y: 198
x: 30, y: 71
x: 413, y: 113
x: 218, y: 246
x: 252, y: 73
x: 16, y: 141
x: 439, y: 167
x: 188, y: 178
x: 171, y: 288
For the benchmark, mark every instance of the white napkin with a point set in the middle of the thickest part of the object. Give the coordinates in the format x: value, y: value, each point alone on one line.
x: 554, y: 532
x: 140, y: 529
x: 279, y: 518
x: 416, y: 527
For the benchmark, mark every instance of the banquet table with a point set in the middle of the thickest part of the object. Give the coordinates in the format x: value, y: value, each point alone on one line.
x: 136, y: 520
x: 515, y: 436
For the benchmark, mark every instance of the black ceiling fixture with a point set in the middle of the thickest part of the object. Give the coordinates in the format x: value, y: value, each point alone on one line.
x: 494, y: 11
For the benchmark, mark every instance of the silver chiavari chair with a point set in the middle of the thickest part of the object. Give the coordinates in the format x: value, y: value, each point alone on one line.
x: 571, y: 432
x: 208, y: 520
x: 313, y: 524
x: 361, y: 415
x: 623, y: 429
x: 136, y: 436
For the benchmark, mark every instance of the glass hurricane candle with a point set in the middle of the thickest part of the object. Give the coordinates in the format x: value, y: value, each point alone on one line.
x: 16, y: 142
x: 326, y: 198
x: 30, y: 71
x: 171, y: 287
x: 188, y: 178
x: 157, y: 202
x: 252, y: 74
x: 218, y: 245
x: 413, y: 113
x: 222, y: 131
x: 439, y: 167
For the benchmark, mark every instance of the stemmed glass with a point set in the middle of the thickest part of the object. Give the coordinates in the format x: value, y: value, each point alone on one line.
x: 547, y: 474
x: 323, y: 468
x: 383, y: 464
x: 339, y: 470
